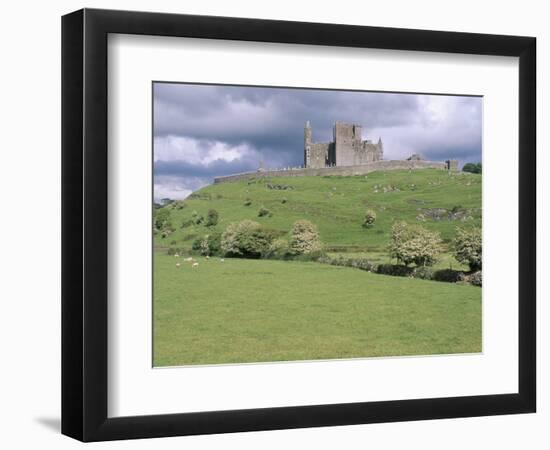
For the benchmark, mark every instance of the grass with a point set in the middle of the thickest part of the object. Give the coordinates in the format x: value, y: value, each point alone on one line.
x: 336, y: 205
x: 255, y: 310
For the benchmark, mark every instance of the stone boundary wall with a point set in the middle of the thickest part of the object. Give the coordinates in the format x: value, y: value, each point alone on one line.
x: 341, y: 171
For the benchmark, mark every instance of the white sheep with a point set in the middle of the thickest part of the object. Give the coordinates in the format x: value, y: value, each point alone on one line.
x: 189, y: 259
x: 176, y: 255
x: 178, y: 264
x: 195, y: 264
x: 207, y: 257
x: 222, y: 260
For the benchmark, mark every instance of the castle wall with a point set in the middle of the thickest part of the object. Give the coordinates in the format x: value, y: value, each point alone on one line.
x: 350, y: 149
x: 319, y: 155
x: 337, y: 171
x: 452, y: 164
x: 347, y: 139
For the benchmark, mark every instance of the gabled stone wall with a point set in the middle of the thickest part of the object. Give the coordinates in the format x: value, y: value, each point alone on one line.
x: 347, y: 148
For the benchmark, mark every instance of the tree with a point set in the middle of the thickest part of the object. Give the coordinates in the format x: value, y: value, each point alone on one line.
x: 370, y: 218
x: 246, y: 239
x: 472, y: 167
x: 468, y: 248
x: 414, y: 244
x: 208, y: 245
x: 212, y: 218
x: 278, y: 249
x: 304, y: 238
x: 162, y: 217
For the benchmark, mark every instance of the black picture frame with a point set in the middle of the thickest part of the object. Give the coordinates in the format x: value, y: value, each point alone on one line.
x: 84, y: 224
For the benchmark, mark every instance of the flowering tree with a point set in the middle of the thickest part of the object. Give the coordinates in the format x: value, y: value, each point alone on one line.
x: 414, y: 244
x: 304, y: 238
x: 468, y: 247
x: 246, y: 239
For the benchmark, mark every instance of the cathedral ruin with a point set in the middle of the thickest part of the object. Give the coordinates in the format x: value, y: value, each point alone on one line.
x: 346, y: 149
x: 347, y: 155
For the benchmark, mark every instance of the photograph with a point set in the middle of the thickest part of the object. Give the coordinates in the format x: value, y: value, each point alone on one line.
x: 275, y: 225
x: 305, y: 224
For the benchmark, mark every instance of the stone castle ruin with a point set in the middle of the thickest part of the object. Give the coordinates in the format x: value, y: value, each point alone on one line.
x: 347, y: 155
x: 346, y: 149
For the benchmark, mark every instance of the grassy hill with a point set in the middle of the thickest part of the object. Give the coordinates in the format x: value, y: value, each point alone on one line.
x: 434, y: 198
x: 243, y: 310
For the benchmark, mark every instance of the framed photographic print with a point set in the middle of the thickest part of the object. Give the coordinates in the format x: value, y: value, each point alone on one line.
x: 273, y: 224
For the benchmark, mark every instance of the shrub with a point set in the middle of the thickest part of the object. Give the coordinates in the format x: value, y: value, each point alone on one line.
x: 196, y: 218
x: 414, y: 244
x: 278, y: 249
x: 263, y: 212
x: 212, y: 218
x: 173, y: 250
x: 247, y: 202
x: 197, y: 245
x: 397, y: 270
x: 370, y: 218
x: 208, y: 245
x: 423, y: 272
x: 161, y: 217
x: 448, y: 275
x: 283, y: 200
x: 311, y: 256
x: 173, y: 242
x: 472, y: 167
x: 214, y: 244
x: 186, y: 223
x: 475, y: 278
x: 467, y: 244
x: 246, y: 239
x: 356, y: 263
x: 304, y: 238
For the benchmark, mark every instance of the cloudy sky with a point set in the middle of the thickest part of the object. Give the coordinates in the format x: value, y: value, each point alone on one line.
x: 203, y: 131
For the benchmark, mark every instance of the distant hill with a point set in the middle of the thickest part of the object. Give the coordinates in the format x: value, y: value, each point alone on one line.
x: 437, y: 199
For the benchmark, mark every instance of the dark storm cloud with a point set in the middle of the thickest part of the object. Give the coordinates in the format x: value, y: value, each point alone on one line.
x: 268, y: 117
x: 202, y: 131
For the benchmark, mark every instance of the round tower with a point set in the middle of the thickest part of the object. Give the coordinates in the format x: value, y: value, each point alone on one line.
x: 380, y: 149
x: 307, y: 144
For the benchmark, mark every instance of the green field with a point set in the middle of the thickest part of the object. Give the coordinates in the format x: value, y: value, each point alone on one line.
x: 254, y: 310
x: 262, y: 310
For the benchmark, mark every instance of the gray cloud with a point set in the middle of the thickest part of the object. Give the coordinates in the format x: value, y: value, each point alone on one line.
x: 202, y: 131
